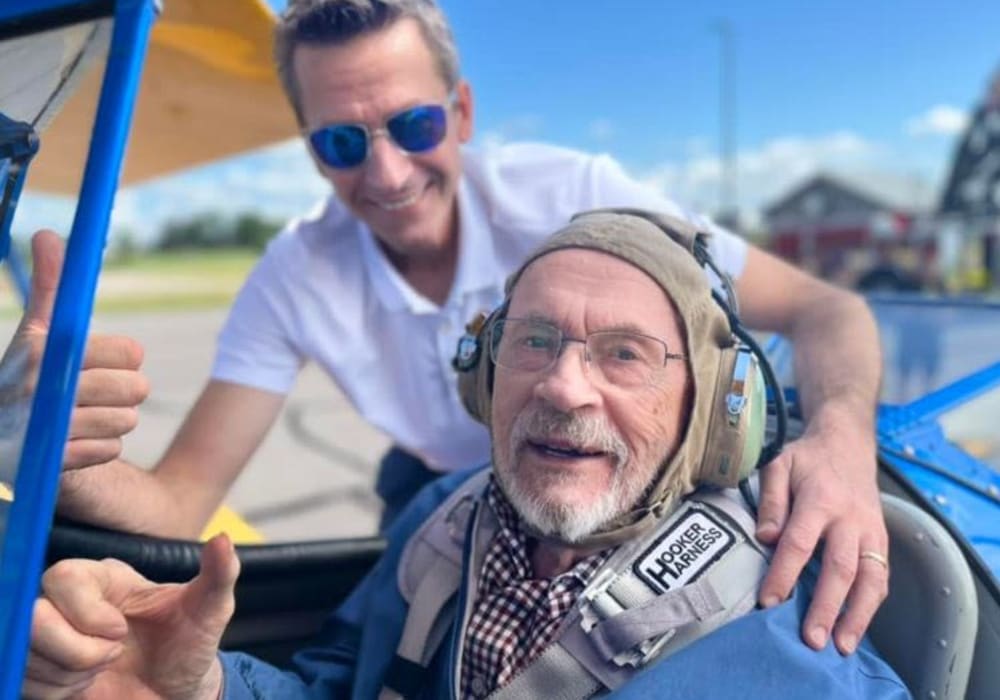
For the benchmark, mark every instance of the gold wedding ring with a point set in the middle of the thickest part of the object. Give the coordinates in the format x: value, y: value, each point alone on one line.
x: 874, y: 556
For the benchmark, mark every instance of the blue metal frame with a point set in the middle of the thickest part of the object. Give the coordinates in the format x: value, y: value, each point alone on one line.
x: 962, y: 488
x: 38, y: 473
x: 900, y: 419
x: 18, y: 145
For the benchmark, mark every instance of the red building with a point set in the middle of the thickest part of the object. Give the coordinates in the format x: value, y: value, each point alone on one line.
x: 837, y: 229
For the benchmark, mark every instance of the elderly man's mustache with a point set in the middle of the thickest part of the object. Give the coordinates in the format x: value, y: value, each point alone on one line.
x: 576, y: 432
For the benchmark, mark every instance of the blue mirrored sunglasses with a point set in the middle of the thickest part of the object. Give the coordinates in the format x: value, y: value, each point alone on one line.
x: 414, y: 130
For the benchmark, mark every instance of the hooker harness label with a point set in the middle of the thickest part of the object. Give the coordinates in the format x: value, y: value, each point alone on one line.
x: 684, y: 551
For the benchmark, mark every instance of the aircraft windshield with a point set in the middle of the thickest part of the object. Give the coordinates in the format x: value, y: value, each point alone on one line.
x: 928, y: 345
x: 50, y: 66
x: 41, y: 71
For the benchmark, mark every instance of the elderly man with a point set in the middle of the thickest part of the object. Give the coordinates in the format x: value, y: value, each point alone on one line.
x: 418, y: 237
x: 584, y: 561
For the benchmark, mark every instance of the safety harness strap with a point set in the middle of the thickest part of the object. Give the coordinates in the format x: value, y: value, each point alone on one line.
x: 555, y: 675
x: 425, y: 628
x: 695, y: 603
x: 434, y: 592
x: 403, y: 679
x: 429, y: 575
x: 699, y: 568
x: 631, y: 627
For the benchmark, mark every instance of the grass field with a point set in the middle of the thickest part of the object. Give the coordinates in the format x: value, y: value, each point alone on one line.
x: 164, y: 281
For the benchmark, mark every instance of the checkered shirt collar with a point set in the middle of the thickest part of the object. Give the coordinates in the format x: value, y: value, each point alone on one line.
x: 515, y: 616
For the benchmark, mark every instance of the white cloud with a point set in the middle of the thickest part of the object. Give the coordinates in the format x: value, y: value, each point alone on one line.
x: 939, y: 120
x: 601, y: 130
x: 281, y: 181
x: 767, y: 172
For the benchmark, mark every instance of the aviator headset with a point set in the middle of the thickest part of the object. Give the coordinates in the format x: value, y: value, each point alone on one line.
x: 725, y: 439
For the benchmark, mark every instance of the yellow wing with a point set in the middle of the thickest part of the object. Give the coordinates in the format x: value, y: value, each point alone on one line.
x: 209, y: 90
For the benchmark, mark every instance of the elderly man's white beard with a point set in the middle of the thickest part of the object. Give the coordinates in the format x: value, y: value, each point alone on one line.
x: 570, y: 523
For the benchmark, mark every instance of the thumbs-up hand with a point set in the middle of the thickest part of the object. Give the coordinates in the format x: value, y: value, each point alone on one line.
x: 100, y: 630
x: 47, y: 259
x: 110, y: 386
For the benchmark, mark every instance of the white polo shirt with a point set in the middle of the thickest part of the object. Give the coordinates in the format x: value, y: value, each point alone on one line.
x: 325, y: 292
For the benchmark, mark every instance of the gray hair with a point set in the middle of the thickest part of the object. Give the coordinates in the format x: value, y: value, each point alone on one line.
x: 333, y: 22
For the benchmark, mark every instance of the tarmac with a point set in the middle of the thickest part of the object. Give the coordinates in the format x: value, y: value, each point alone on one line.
x: 311, y: 478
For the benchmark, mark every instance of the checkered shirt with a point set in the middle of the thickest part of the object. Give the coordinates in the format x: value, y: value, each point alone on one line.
x: 515, y: 616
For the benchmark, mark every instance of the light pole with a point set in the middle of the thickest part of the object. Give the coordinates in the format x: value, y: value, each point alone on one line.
x: 728, y: 203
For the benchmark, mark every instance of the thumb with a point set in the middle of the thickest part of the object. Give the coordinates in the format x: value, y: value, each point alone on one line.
x: 209, y: 596
x: 47, y: 257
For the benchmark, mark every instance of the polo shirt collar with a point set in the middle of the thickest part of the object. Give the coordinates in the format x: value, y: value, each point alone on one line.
x: 477, y: 266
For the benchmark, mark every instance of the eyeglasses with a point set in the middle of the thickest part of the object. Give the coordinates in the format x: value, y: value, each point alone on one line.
x: 622, y: 358
x: 415, y: 130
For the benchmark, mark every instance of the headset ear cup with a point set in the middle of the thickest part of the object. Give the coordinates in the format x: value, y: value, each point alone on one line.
x: 738, y: 420
x: 475, y: 384
x: 474, y: 366
x: 755, y: 428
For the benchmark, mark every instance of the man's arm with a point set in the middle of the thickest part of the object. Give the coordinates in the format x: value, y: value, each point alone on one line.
x: 179, y: 495
x: 823, y: 485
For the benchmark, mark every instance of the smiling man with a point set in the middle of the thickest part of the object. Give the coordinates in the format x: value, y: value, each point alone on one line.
x: 385, y: 129
x: 593, y: 556
x: 418, y: 236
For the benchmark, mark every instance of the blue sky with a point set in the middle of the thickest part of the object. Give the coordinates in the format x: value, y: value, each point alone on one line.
x: 874, y: 91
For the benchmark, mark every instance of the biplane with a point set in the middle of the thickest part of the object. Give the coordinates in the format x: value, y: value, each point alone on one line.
x: 108, y: 68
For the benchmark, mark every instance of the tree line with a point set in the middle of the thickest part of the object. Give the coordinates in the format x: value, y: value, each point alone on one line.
x: 248, y: 230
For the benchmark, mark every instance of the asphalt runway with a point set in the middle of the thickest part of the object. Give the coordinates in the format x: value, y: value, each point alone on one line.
x: 311, y: 478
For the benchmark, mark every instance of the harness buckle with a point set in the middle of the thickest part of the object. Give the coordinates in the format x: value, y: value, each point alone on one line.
x: 596, y: 604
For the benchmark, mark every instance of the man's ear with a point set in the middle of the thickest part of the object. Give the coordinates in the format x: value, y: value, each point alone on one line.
x: 463, y: 110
